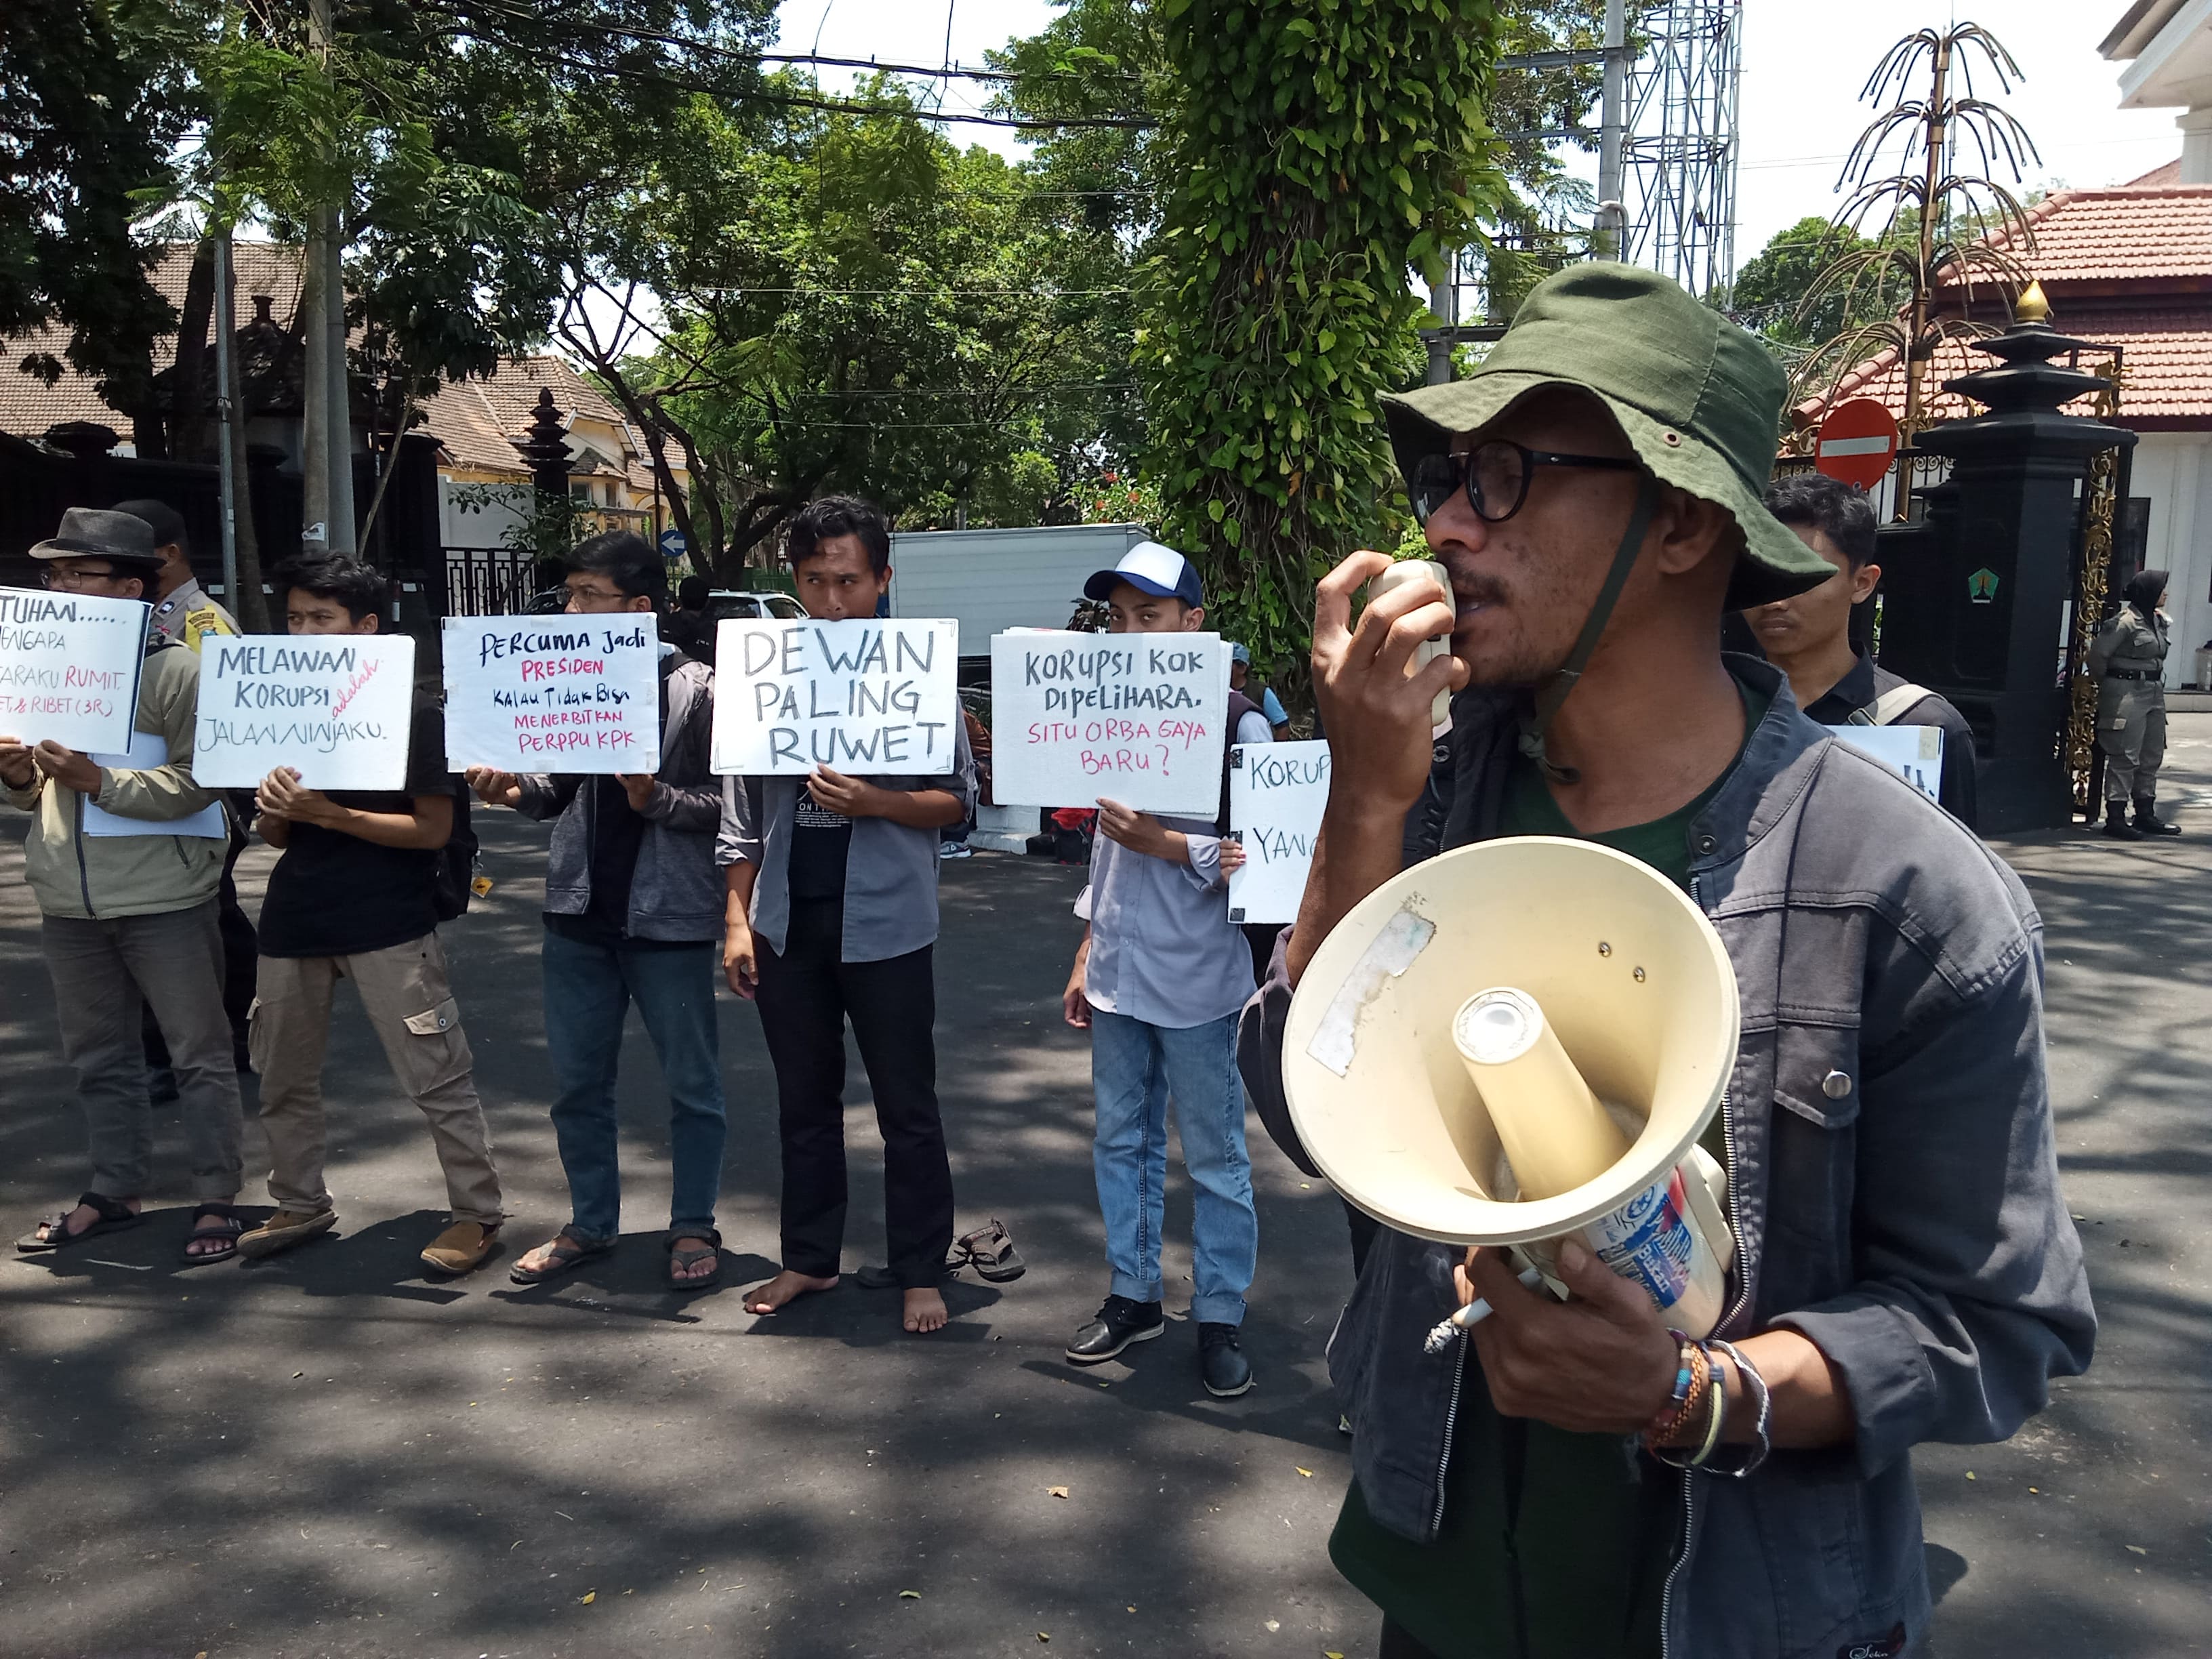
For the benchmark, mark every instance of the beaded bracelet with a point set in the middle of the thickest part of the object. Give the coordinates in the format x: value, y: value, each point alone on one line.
x: 1690, y: 1379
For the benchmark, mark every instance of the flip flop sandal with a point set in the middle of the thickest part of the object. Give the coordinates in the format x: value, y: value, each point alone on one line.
x: 679, y: 1259
x: 114, y: 1218
x: 990, y: 1251
x: 570, y: 1251
x: 232, y: 1223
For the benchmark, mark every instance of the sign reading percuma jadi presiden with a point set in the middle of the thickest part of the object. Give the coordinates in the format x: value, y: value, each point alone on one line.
x: 869, y: 698
x: 571, y: 693
x: 1136, y: 718
x: 335, y: 707
x: 68, y: 668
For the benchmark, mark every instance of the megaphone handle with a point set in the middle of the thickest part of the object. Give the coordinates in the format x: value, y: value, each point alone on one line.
x: 1466, y: 1319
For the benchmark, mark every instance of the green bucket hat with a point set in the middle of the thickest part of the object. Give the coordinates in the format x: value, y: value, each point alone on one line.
x: 1699, y: 399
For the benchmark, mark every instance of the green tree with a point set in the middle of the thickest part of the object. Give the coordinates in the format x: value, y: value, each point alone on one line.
x: 1770, y: 288
x: 1318, y: 153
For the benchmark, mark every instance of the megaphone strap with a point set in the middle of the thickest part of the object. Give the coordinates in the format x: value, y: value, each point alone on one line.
x: 1533, y: 724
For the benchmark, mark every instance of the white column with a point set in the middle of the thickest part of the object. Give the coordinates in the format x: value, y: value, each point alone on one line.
x: 2196, y: 146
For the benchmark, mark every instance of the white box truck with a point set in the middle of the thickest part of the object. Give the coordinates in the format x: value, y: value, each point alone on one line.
x: 993, y: 580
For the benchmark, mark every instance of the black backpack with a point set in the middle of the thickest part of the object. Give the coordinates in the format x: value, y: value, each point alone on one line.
x: 450, y: 889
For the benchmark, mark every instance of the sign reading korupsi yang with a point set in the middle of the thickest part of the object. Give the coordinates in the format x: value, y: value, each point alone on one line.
x: 572, y: 694
x: 1136, y: 718
x: 1277, y: 794
x: 335, y: 708
x: 868, y: 697
x: 68, y: 668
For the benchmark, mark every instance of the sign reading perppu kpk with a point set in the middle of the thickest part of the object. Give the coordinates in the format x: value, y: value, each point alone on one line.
x: 553, y: 694
x: 867, y: 697
x: 1136, y: 718
x: 335, y: 708
x: 68, y: 668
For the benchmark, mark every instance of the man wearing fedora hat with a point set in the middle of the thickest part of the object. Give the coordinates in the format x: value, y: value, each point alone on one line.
x: 1905, y: 1269
x: 129, y: 919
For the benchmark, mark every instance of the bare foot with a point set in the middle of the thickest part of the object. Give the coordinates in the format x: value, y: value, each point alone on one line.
x: 78, y: 1219
x: 784, y: 1289
x: 925, y: 1310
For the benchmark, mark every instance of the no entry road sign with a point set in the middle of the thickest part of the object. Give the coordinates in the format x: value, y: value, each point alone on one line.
x: 1857, y: 442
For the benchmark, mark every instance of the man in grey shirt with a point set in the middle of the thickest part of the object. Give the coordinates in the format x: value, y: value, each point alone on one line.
x: 832, y: 916
x: 1157, y: 982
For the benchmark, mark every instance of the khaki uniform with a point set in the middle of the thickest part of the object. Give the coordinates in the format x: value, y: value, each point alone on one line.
x: 188, y: 615
x: 2128, y: 662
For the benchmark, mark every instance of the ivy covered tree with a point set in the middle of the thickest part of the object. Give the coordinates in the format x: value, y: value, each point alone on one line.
x: 1318, y: 150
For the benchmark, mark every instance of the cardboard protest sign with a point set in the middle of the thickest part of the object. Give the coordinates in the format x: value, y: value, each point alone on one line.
x: 867, y: 697
x: 335, y: 707
x: 1137, y: 717
x: 553, y: 694
x: 1276, y: 794
x: 149, y: 750
x: 1914, y: 753
x: 68, y: 668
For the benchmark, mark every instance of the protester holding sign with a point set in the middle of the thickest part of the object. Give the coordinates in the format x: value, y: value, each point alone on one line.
x: 129, y: 919
x: 1158, y: 981
x: 353, y: 897
x: 632, y: 908
x: 833, y: 917
x: 1808, y: 637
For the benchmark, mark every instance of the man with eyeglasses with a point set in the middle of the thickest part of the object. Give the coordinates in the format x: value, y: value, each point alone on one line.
x: 1906, y: 1268
x: 128, y: 918
x: 633, y: 913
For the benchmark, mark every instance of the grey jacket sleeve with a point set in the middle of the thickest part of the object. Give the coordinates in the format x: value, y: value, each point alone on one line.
x: 545, y: 796
x: 695, y: 802
x: 738, y: 837
x: 1970, y: 1292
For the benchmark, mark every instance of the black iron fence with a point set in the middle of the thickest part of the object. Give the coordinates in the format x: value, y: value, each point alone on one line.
x: 491, y: 581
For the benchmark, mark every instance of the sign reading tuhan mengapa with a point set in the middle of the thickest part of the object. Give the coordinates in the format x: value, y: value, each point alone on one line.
x: 69, y: 668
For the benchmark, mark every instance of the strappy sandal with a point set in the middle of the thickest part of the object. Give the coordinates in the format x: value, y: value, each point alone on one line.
x: 114, y: 1217
x: 990, y: 1251
x: 230, y: 1225
x: 679, y: 1259
x: 570, y: 1250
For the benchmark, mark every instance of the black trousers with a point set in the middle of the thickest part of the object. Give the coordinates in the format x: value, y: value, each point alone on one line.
x: 1396, y: 1644
x: 806, y: 996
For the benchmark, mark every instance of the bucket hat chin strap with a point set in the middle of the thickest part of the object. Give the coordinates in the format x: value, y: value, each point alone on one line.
x: 1537, y: 719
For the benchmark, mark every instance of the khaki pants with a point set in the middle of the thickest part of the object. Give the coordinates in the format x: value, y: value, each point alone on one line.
x: 404, y: 992
x: 104, y: 972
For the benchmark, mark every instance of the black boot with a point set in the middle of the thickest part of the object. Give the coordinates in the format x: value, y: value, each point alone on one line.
x: 2148, y: 820
x: 2117, y: 826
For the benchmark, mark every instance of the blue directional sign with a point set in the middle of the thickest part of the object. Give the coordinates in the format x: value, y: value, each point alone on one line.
x: 672, y: 544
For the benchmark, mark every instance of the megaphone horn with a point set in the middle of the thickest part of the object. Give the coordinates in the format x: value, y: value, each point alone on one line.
x: 1521, y: 1042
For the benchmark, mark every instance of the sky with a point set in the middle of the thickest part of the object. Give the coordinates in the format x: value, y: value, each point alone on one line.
x: 1804, y: 64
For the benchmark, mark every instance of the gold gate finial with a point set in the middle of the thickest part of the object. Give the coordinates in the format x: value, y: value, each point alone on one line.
x: 2032, y: 307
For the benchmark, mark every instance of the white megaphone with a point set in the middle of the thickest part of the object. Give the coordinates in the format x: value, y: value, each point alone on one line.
x: 1521, y: 1042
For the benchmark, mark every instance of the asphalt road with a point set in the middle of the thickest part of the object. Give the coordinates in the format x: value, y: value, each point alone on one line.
x: 327, y: 1453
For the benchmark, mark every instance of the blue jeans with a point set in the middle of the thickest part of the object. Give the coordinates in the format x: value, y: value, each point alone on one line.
x: 1135, y: 1067
x: 588, y: 991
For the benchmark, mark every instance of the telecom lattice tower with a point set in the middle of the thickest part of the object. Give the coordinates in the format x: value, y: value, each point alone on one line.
x: 1679, y: 151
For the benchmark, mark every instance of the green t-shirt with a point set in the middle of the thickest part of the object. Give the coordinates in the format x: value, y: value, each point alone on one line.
x: 1553, y: 1545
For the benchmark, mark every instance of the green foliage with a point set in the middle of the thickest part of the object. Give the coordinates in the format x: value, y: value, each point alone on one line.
x: 96, y: 96
x: 1771, y: 289
x: 1319, y: 149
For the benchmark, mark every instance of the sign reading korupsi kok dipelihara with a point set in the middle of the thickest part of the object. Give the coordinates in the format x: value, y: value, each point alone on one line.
x: 553, y: 694
x: 68, y: 668
x: 867, y: 698
x: 335, y: 708
x: 1136, y: 718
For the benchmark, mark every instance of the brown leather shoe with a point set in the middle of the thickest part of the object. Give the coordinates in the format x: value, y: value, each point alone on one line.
x: 460, y: 1248
x: 284, y: 1230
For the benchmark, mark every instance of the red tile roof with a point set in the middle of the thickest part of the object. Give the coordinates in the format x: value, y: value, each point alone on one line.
x: 2129, y: 234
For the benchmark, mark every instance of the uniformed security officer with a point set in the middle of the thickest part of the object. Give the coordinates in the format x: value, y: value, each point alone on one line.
x: 2128, y: 662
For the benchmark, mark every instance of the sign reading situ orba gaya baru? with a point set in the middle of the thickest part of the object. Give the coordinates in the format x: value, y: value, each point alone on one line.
x: 335, y: 708
x: 68, y: 668
x: 867, y: 697
x: 553, y: 694
x: 1136, y: 718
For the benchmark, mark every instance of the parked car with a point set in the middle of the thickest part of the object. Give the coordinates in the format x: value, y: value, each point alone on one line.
x: 772, y: 607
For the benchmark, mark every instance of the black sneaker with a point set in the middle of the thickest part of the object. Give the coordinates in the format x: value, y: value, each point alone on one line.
x: 1120, y: 1323
x: 1222, y: 1362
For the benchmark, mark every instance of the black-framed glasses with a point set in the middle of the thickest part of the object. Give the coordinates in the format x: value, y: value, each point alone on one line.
x: 1496, y: 474
x: 51, y: 578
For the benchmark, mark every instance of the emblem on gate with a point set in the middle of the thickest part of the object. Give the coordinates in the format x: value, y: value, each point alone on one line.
x: 1982, y: 586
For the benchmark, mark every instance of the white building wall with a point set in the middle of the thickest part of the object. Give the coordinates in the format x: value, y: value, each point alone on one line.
x: 477, y: 515
x: 2173, y: 471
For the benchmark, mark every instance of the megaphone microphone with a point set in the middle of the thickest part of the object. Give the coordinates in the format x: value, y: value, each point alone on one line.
x: 1563, y: 1097
x: 1430, y: 572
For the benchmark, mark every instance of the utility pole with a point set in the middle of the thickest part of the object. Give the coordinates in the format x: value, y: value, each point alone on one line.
x: 227, y: 473
x: 326, y: 446
x: 1609, y: 230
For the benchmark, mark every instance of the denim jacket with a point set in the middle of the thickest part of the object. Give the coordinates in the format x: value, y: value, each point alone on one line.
x: 1913, y: 1229
x: 677, y: 892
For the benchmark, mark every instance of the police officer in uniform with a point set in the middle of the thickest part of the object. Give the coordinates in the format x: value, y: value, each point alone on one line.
x: 2128, y: 662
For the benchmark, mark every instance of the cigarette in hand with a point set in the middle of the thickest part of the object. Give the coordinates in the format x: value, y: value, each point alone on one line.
x: 1469, y: 1316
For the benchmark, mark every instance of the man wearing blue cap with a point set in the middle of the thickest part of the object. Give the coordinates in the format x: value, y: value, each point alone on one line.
x: 1158, y: 980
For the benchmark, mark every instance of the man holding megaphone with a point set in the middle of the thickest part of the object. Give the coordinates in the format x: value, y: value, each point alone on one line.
x: 1778, y: 964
